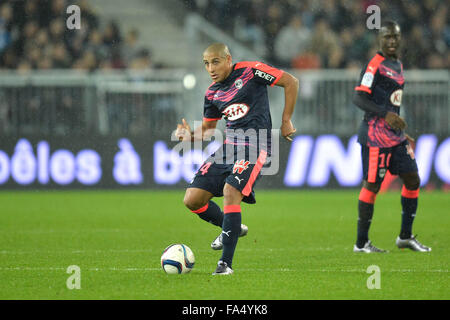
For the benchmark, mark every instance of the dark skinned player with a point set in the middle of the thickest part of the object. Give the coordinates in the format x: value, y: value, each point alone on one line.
x: 385, y: 146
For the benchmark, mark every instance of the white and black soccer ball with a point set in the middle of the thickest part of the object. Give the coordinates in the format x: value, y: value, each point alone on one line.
x: 177, y: 259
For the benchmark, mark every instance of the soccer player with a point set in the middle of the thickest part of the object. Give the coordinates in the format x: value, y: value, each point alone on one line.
x: 239, y: 95
x: 385, y: 146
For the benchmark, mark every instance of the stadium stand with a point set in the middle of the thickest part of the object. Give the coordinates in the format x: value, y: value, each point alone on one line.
x: 330, y: 33
x: 34, y: 36
x: 148, y: 47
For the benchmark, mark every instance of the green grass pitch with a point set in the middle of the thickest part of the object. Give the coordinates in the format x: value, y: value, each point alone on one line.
x: 299, y: 246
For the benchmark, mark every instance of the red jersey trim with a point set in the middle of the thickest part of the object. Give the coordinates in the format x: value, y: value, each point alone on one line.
x: 277, y: 73
x: 363, y: 88
x: 211, y: 119
x: 372, y: 67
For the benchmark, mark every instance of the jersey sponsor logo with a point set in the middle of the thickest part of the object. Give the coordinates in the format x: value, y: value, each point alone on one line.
x: 396, y: 97
x: 367, y: 79
x: 240, y: 166
x: 235, y: 111
x: 238, y: 83
x: 264, y: 75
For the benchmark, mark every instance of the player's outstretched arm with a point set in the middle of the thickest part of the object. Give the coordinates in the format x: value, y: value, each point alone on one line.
x: 184, y: 133
x: 361, y: 100
x: 290, y: 85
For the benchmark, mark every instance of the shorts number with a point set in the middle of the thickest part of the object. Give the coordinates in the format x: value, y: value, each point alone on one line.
x: 204, y: 168
x: 382, y: 158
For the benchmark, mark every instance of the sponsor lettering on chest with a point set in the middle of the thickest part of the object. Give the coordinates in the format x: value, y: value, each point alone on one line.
x: 235, y: 111
x: 396, y: 97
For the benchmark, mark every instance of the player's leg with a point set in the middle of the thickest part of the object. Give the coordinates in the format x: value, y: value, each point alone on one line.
x: 374, y: 169
x: 408, y: 172
x: 238, y: 187
x: 199, y: 202
x: 366, y: 203
x: 231, y: 227
x: 409, y: 201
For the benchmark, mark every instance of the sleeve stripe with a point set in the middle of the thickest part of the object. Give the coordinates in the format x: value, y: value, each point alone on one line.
x: 277, y: 78
x: 211, y: 119
x: 363, y: 88
x: 373, y: 65
x: 277, y: 73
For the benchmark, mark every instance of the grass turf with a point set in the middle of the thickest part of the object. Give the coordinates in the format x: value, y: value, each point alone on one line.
x: 299, y: 246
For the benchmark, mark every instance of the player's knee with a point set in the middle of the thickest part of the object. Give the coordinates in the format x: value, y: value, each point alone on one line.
x: 374, y: 187
x: 412, y: 183
x: 229, y: 191
x: 195, y: 199
x: 231, y: 194
x: 191, y: 202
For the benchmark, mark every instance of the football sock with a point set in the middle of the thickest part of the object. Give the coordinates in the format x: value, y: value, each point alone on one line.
x: 230, y: 232
x: 365, y: 213
x: 409, y: 202
x: 211, y: 213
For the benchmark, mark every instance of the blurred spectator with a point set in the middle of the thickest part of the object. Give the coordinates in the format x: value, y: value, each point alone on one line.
x: 58, y: 9
x: 338, y: 28
x: 30, y: 30
x: 307, y: 60
x: 291, y: 40
x: 130, y: 48
x: 88, y: 62
x: 33, y: 35
x: 417, y: 48
x: 323, y: 41
x: 111, y: 35
x: 272, y: 25
x: 142, y: 61
x: 96, y: 45
x: 249, y: 29
x: 60, y: 56
x: 5, y: 26
x: 56, y: 28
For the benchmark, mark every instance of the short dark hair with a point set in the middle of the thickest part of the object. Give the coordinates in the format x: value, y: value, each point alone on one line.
x: 389, y: 24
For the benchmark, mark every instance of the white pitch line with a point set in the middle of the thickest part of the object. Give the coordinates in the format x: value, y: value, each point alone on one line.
x: 12, y: 252
x: 204, y: 269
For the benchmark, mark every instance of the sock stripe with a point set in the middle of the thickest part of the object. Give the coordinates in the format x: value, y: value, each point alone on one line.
x: 232, y: 208
x: 367, y: 196
x: 411, y: 194
x: 202, y: 209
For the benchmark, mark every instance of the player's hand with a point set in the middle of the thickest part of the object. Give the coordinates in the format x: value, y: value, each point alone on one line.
x: 183, y: 132
x: 287, y: 130
x: 395, y: 121
x: 410, y: 140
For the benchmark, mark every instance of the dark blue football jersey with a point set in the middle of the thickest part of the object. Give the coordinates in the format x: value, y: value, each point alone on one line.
x: 242, y: 100
x: 383, y: 80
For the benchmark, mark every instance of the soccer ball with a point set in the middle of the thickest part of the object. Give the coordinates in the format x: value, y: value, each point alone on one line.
x: 177, y: 258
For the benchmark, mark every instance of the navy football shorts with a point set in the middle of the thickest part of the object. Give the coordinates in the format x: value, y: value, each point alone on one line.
x: 239, y: 166
x: 376, y: 161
